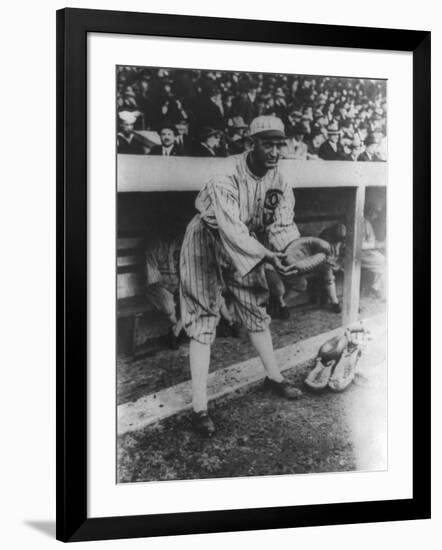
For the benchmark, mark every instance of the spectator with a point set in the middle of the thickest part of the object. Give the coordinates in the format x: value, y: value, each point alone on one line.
x: 314, y: 145
x: 127, y: 141
x: 296, y: 148
x: 210, y: 111
x: 357, y: 107
x: 244, y: 105
x: 208, y: 145
x: 168, y: 147
x: 236, y: 131
x: 182, y: 139
x: 331, y: 149
x: 370, y: 153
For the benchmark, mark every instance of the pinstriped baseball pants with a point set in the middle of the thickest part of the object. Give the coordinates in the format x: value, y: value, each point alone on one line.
x: 204, y: 270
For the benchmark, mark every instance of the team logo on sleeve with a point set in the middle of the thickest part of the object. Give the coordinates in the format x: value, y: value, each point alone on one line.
x: 272, y: 200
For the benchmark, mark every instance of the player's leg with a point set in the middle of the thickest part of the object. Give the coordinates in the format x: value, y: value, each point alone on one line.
x: 163, y: 300
x: 277, y: 306
x: 374, y: 262
x: 329, y: 285
x: 199, y: 356
x: 251, y: 294
x: 200, y: 299
x: 262, y: 342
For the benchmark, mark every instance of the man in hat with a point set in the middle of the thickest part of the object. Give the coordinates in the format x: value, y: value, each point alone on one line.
x: 236, y: 130
x: 244, y: 220
x: 330, y: 149
x: 168, y: 147
x: 208, y: 144
x: 370, y: 153
x: 245, y: 105
x: 127, y: 141
x: 296, y: 148
x: 209, y: 111
x: 182, y: 139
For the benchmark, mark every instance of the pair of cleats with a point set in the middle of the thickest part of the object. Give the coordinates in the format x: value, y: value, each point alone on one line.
x: 337, y: 376
x: 203, y: 424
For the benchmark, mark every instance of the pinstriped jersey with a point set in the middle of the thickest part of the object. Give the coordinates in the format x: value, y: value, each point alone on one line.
x: 249, y: 212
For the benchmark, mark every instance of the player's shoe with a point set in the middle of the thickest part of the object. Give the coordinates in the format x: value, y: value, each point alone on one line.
x: 285, y: 388
x: 202, y: 423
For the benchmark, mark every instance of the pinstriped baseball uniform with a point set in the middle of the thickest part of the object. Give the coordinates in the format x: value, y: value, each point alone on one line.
x: 239, y: 216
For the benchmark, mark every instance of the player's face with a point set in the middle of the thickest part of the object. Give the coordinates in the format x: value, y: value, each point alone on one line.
x: 267, y: 151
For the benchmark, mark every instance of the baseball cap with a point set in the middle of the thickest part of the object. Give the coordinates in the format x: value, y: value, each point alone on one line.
x: 267, y: 126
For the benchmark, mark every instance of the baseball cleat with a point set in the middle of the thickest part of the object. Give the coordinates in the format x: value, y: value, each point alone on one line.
x: 319, y: 376
x: 203, y: 424
x: 285, y: 388
x: 344, y: 372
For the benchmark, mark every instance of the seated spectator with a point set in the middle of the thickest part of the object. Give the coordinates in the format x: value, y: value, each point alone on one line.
x: 208, y: 145
x: 127, y: 141
x: 296, y: 148
x: 168, y: 147
x: 314, y: 144
x: 331, y: 149
x: 236, y: 131
x: 182, y: 138
x: 347, y: 149
x: 370, y: 153
x: 209, y: 110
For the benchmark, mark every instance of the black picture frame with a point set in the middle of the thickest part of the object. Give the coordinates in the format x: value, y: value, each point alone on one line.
x: 73, y: 25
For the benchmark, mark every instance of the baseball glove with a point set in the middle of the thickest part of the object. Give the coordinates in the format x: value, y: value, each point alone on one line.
x: 306, y: 254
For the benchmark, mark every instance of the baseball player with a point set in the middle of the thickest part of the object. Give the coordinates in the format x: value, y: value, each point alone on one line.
x: 162, y: 280
x: 244, y: 220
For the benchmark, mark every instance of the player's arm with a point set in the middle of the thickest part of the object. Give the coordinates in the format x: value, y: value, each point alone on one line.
x: 244, y: 250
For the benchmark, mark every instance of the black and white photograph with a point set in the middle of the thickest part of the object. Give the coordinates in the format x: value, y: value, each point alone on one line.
x: 251, y: 273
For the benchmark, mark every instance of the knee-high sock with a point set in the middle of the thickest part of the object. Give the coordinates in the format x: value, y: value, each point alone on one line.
x: 262, y: 342
x: 199, y: 355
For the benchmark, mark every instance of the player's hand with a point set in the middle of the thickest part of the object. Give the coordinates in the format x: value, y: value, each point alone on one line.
x: 277, y: 260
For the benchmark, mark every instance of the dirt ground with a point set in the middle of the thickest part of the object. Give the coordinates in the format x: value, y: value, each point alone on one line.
x: 258, y: 433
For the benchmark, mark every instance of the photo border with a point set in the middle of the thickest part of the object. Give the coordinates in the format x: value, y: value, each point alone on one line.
x: 73, y: 25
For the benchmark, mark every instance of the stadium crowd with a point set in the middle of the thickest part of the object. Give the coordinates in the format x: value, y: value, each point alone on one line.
x: 183, y: 112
